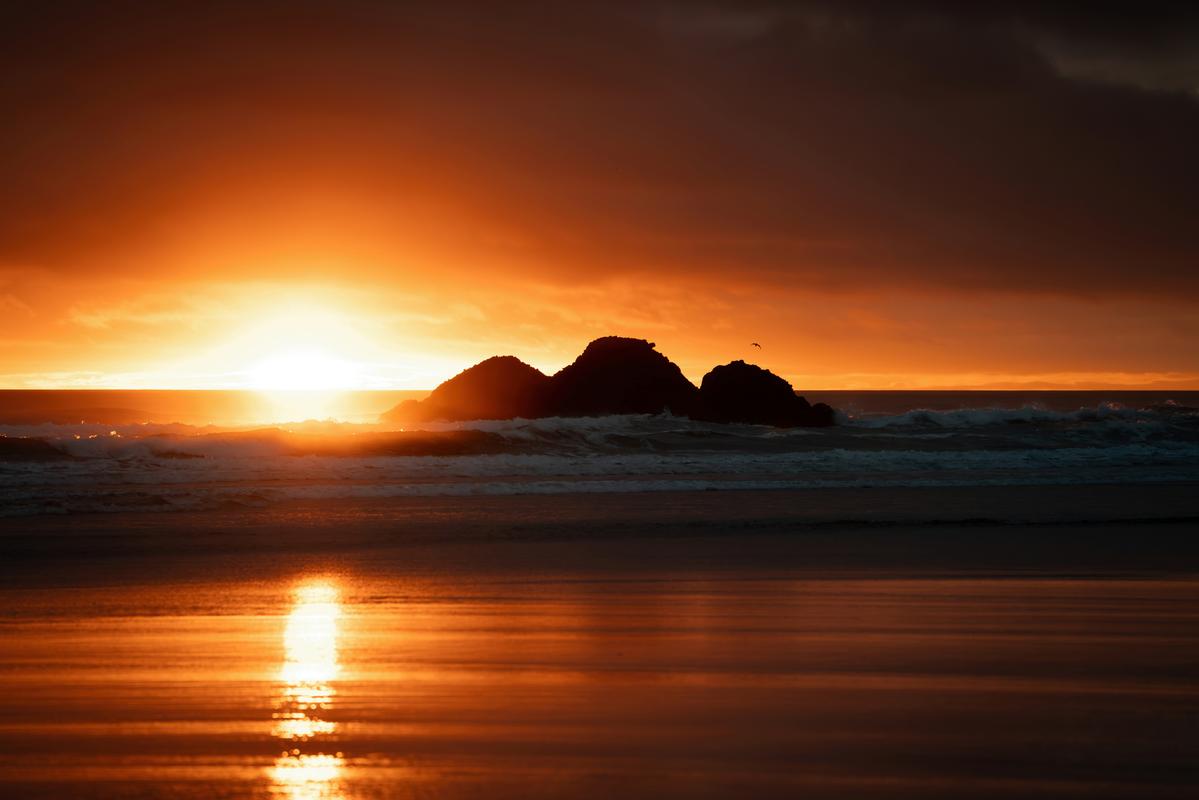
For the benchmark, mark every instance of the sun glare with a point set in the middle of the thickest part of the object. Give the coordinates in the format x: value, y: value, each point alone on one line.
x: 305, y: 770
x: 302, y: 344
x: 304, y: 371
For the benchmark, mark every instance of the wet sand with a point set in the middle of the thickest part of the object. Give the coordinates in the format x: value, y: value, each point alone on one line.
x: 1019, y: 643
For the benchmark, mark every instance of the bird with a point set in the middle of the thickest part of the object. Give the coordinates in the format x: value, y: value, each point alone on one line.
x: 755, y: 344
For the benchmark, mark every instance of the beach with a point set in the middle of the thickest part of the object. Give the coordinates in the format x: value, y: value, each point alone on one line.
x: 1032, y: 641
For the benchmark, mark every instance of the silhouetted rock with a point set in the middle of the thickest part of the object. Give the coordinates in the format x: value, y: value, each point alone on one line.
x: 613, y: 375
x: 502, y: 387
x: 740, y: 392
x: 616, y: 375
x: 822, y: 415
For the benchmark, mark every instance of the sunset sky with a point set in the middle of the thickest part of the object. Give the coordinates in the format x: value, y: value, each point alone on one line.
x: 228, y: 194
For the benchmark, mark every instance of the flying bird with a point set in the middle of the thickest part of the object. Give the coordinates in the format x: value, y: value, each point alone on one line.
x: 755, y: 344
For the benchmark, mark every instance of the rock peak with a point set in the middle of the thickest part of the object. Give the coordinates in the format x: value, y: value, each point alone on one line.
x: 614, y: 375
x: 741, y: 392
x: 619, y: 375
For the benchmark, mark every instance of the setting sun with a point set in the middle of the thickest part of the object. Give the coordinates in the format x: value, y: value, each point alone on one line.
x: 303, y: 370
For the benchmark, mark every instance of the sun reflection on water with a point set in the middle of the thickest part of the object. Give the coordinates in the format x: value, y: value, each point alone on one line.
x: 304, y: 770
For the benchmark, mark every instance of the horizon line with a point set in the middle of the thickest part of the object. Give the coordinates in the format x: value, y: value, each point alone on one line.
x: 1003, y: 387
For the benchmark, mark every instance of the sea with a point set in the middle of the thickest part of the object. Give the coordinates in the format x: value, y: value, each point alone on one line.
x: 945, y: 595
x: 78, y: 451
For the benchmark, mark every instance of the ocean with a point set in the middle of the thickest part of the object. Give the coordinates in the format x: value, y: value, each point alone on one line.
x: 65, y: 452
x: 946, y: 595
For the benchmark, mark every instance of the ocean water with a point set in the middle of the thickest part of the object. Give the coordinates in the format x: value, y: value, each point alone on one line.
x: 899, y: 439
x: 521, y: 631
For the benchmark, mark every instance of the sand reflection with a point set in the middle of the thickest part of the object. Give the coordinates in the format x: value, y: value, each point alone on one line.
x: 306, y: 770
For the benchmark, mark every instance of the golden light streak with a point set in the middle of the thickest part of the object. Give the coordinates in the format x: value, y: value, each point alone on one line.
x: 310, y: 666
x: 308, y: 777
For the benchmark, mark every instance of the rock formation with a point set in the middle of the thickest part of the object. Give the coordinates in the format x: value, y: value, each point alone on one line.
x: 740, y: 392
x: 502, y: 387
x: 613, y: 375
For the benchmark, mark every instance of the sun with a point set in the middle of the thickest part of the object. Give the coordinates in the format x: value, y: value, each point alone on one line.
x: 303, y: 370
x: 301, y: 345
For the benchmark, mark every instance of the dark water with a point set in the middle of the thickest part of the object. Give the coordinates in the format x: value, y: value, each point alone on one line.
x: 917, y: 439
x: 348, y: 686
x: 194, y: 407
x: 898, y: 402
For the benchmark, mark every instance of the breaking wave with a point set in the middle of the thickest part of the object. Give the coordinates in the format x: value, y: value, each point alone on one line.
x: 69, y: 468
x: 1025, y: 415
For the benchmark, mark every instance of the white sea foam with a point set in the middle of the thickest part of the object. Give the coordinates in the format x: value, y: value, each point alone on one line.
x: 174, y: 466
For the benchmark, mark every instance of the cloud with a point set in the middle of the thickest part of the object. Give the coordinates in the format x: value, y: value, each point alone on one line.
x: 10, y: 304
x: 947, y: 145
x: 152, y: 310
x: 887, y: 183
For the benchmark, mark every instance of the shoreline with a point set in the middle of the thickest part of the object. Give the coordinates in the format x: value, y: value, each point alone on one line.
x: 974, y: 531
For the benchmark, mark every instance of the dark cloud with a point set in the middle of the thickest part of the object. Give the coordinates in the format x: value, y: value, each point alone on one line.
x: 1022, y: 146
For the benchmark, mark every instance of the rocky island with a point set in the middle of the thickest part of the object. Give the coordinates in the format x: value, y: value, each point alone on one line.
x: 614, y: 375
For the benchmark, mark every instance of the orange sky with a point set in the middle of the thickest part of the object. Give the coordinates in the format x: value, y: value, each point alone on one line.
x: 236, y: 196
x: 415, y: 331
